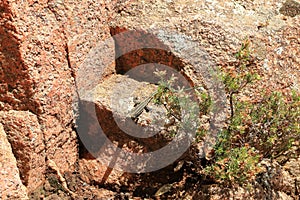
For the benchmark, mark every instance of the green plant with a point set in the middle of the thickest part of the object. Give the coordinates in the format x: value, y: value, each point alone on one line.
x: 264, y: 128
x: 274, y: 124
x: 181, y: 103
x: 166, y: 95
x: 205, y: 102
x: 239, y: 75
x: 54, y: 182
x: 236, y: 165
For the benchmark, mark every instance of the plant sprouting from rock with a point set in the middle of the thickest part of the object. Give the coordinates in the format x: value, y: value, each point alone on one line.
x: 263, y: 128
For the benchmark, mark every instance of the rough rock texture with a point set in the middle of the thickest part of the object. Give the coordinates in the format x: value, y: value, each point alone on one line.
x: 110, y: 103
x: 221, y: 26
x: 94, y: 171
x: 11, y: 185
x: 26, y: 138
x: 272, y: 27
x: 43, y: 43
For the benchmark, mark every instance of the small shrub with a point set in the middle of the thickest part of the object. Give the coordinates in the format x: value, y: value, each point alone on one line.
x: 181, y: 103
x: 263, y: 129
x: 236, y: 165
x: 273, y: 124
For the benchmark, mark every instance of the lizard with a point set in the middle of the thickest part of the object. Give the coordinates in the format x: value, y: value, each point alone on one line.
x: 138, y: 110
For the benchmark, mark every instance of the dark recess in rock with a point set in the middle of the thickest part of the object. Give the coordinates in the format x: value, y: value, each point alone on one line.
x: 290, y: 8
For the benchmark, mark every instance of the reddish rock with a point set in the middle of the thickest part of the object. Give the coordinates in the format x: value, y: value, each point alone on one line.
x: 11, y: 186
x: 26, y: 138
x: 42, y: 44
x: 93, y: 171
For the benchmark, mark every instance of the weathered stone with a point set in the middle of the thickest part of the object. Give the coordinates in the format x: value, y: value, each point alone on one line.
x: 219, y: 27
x: 92, y: 170
x: 11, y: 186
x: 42, y: 45
x: 26, y: 138
x: 97, y: 120
x: 290, y: 8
